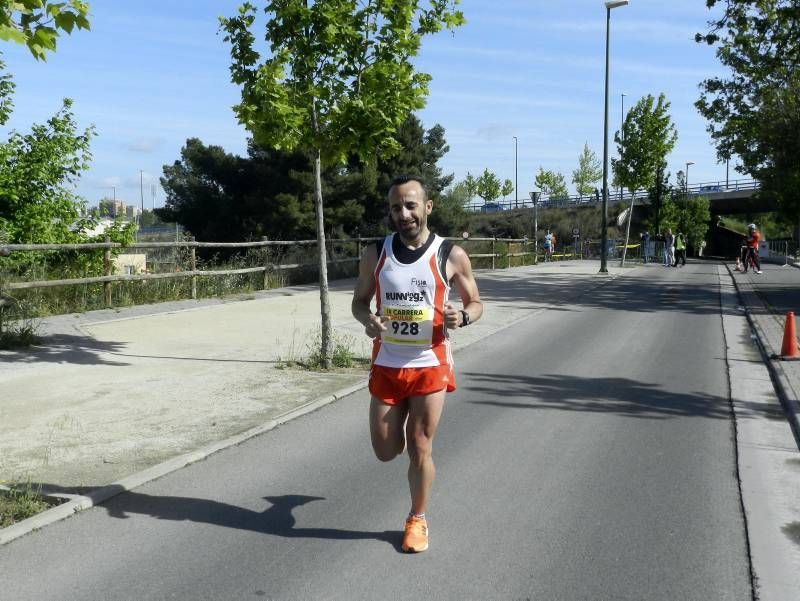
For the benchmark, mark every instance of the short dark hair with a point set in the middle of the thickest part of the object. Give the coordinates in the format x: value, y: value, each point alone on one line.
x: 399, y: 180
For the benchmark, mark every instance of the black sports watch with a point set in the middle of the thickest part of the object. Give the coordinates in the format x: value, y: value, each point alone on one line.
x: 464, y: 319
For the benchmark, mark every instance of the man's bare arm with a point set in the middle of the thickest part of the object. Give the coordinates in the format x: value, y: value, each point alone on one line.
x: 364, y: 291
x: 459, y: 270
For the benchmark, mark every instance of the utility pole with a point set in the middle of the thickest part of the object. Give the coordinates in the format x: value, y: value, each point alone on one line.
x: 516, y: 176
x: 727, y: 165
x: 622, y: 133
x: 141, y: 188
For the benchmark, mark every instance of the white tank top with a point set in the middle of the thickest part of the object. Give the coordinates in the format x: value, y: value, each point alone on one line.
x: 413, y: 296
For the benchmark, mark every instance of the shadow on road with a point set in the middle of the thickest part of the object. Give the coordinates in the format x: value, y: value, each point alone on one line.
x: 276, y: 520
x: 620, y: 396
x: 66, y: 348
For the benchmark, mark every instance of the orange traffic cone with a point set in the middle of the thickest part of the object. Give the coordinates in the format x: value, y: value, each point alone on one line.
x: 789, y: 348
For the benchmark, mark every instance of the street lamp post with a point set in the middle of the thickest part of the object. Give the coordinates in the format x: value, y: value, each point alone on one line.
x: 727, y: 165
x: 516, y: 176
x: 604, y: 226
x: 686, y: 181
x: 622, y: 131
x: 141, y: 187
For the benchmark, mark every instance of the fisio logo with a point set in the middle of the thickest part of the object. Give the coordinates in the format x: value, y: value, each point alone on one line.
x: 418, y: 283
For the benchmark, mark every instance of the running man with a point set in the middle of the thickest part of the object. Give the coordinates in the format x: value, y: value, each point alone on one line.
x: 409, y: 273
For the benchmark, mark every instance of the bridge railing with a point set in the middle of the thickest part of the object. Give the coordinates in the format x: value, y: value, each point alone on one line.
x: 615, y: 196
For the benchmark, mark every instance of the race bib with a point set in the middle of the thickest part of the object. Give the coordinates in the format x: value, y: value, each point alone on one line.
x: 408, y: 326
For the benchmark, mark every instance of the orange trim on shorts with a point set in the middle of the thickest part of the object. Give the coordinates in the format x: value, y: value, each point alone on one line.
x: 393, y: 385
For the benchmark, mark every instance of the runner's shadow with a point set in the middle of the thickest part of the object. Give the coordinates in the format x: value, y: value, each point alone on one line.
x: 276, y: 520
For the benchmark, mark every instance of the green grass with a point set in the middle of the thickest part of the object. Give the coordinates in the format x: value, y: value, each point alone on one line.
x: 17, y: 504
x: 17, y: 327
x: 342, y: 357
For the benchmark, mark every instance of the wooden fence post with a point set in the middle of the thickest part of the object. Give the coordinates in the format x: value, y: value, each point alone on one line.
x: 494, y: 239
x: 266, y: 263
x: 193, y: 267
x: 107, y: 271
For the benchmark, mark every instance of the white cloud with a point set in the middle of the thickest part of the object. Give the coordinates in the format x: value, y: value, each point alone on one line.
x: 144, y: 145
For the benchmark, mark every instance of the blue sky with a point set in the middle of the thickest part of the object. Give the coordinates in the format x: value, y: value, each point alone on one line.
x: 151, y: 74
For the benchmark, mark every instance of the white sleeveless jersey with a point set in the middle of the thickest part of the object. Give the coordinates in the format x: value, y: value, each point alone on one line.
x: 413, y: 297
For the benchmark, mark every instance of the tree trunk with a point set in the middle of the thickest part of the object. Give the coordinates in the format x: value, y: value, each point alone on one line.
x: 628, y: 229
x: 324, y: 300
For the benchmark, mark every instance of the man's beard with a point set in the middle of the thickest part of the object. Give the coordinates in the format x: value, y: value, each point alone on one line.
x: 412, y: 233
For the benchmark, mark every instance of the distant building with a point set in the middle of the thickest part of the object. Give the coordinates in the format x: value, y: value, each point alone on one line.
x: 112, y: 208
x: 130, y: 264
x: 132, y: 212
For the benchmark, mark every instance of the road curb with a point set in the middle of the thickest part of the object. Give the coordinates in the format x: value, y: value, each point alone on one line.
x: 77, y: 503
x: 779, y: 378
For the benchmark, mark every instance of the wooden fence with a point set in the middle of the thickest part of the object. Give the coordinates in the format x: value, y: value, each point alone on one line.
x: 108, y: 278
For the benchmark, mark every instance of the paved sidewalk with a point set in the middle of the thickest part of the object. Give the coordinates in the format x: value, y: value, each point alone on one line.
x: 767, y: 298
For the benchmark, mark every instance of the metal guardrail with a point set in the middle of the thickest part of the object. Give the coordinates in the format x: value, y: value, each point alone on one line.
x: 717, y: 187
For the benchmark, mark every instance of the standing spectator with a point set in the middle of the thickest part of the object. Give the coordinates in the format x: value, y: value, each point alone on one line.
x: 548, y: 245
x: 645, y: 246
x: 680, y: 250
x: 669, y: 248
x: 753, y: 238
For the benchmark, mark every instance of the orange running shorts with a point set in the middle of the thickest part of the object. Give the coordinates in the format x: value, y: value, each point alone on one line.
x: 393, y: 385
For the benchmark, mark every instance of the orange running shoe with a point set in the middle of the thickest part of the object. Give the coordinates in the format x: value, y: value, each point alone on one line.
x: 415, y: 536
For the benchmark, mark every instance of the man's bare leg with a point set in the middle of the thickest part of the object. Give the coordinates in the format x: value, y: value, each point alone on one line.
x: 386, y: 424
x: 423, y: 419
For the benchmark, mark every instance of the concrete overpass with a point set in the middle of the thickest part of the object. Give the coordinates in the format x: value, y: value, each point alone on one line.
x: 726, y: 198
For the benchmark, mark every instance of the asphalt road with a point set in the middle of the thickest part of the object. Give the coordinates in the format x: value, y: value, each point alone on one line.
x: 588, y: 454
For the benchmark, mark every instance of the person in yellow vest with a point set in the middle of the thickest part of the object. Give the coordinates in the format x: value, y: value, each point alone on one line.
x: 410, y: 274
x: 680, y: 250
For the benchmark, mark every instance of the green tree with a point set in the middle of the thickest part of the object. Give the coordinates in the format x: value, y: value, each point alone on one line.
x: 680, y: 179
x: 551, y: 184
x: 37, y: 175
x: 419, y: 153
x: 690, y: 216
x: 649, y: 136
x: 149, y: 219
x: 754, y: 112
x: 589, y: 171
x: 488, y: 186
x: 471, y: 186
x: 37, y: 23
x: 508, y: 188
x: 657, y: 195
x: 337, y: 80
x: 449, y: 217
x: 223, y: 197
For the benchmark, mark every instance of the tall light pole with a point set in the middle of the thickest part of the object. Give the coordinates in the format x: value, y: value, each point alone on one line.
x: 516, y: 177
x: 686, y: 180
x: 727, y: 165
x: 604, y: 227
x: 622, y: 130
x: 141, y: 188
